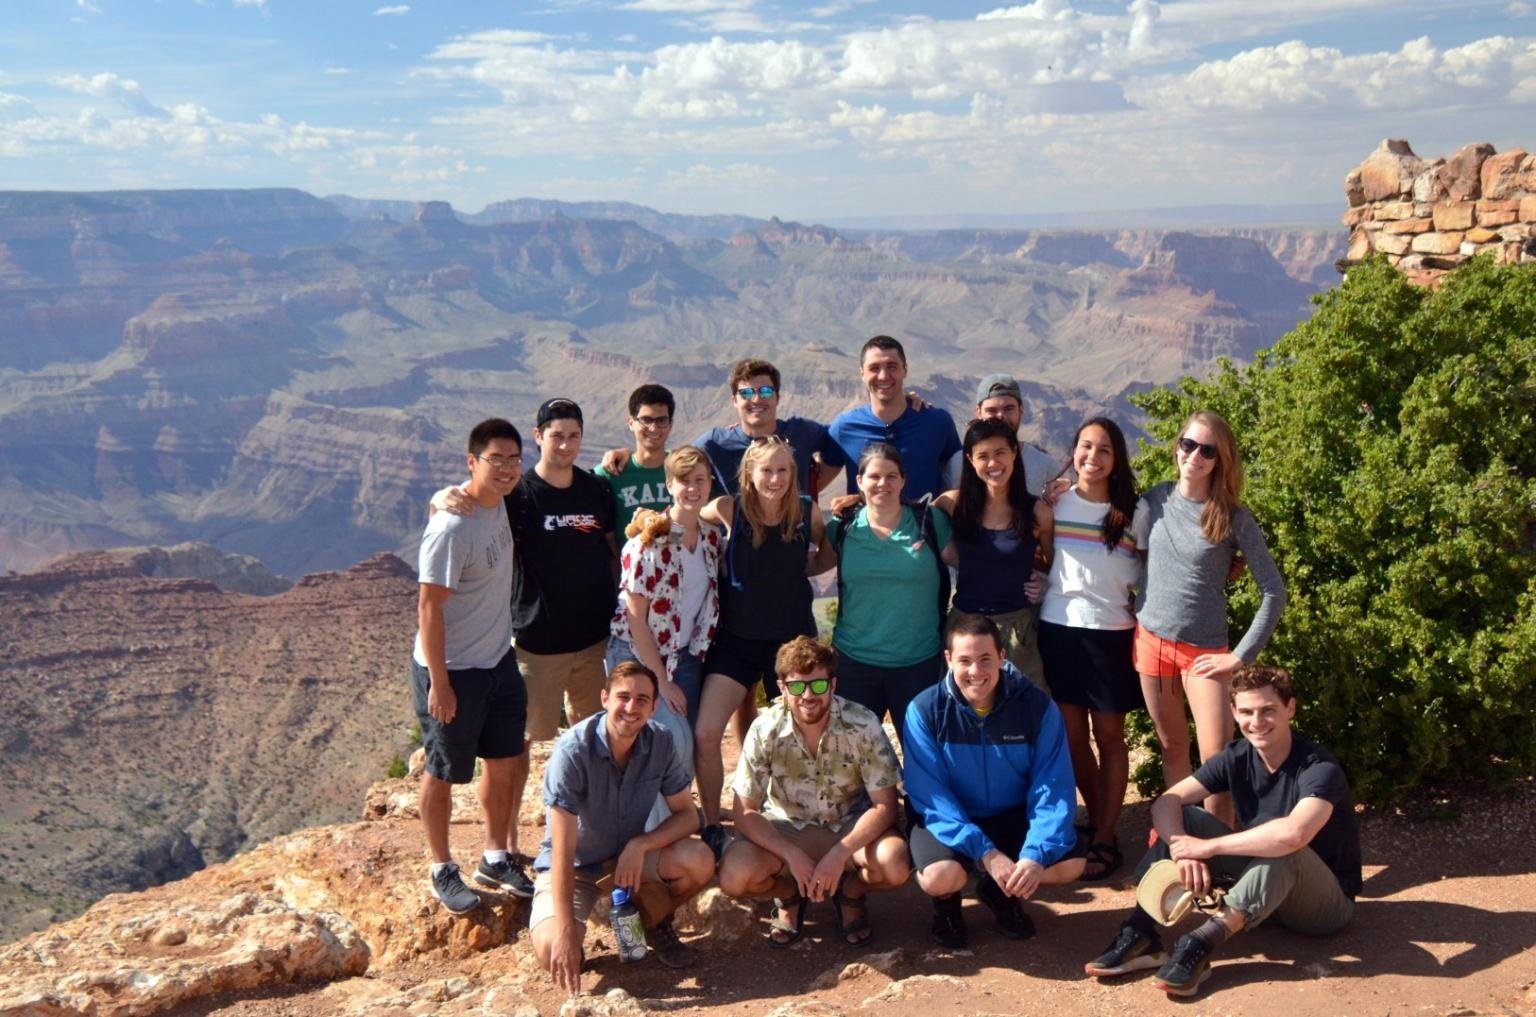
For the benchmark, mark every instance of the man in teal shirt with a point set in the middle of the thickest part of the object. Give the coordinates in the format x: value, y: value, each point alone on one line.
x: 643, y: 482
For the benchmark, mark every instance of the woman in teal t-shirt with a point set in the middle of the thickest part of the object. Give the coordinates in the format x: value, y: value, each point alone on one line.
x: 891, y: 584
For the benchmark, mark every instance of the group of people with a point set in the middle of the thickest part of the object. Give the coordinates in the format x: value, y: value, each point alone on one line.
x: 1007, y: 687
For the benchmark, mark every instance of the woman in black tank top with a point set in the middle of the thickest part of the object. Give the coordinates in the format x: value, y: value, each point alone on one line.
x: 765, y: 600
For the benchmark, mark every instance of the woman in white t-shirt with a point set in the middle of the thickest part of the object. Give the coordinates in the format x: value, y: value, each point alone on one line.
x: 1087, y: 628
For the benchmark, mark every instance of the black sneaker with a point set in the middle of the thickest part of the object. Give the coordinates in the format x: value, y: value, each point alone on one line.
x: 1011, y: 919
x: 448, y: 887
x: 1190, y: 965
x: 718, y: 840
x: 505, y: 875
x: 949, y: 923
x: 1132, y: 950
x: 669, y: 949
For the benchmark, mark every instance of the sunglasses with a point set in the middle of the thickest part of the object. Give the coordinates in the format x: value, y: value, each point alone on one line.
x: 762, y: 391
x: 1189, y: 445
x: 818, y: 686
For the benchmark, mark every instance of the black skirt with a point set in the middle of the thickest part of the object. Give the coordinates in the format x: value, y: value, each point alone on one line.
x: 1091, y: 668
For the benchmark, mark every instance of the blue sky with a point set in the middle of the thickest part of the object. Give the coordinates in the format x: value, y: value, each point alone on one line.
x: 830, y: 109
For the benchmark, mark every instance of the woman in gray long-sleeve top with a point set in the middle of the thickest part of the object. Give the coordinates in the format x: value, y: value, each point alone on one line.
x: 1190, y: 531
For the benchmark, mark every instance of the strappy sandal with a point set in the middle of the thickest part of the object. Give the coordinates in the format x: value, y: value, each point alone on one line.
x: 1106, y: 856
x: 783, y: 934
x: 857, y: 932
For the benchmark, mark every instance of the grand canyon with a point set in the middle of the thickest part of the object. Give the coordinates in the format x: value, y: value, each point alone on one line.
x: 284, y: 379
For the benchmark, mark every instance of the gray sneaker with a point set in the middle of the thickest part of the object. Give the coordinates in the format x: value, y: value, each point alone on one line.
x: 448, y: 887
x: 505, y: 875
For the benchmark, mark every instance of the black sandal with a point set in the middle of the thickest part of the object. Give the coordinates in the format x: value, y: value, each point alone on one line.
x: 783, y: 934
x: 1106, y: 856
x: 857, y: 932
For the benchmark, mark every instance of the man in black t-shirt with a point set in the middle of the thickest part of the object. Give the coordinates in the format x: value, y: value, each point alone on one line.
x: 1295, y: 855
x: 567, y: 575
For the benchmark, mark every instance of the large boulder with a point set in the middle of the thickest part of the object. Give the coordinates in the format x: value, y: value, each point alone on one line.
x: 1501, y: 174
x: 124, y: 958
x: 1389, y: 171
x: 1460, y: 179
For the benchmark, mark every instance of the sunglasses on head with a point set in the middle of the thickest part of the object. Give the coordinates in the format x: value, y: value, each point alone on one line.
x: 818, y: 686
x: 1189, y: 445
x: 762, y: 391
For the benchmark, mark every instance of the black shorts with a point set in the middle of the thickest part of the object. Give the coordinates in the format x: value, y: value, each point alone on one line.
x: 492, y: 713
x: 1006, y: 831
x: 745, y: 661
x: 1091, y: 668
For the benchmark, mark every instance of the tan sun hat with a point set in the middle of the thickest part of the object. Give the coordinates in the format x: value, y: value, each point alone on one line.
x: 1161, y: 894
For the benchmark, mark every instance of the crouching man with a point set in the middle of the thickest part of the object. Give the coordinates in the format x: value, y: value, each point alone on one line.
x: 989, y: 778
x: 601, y: 781
x: 815, y: 802
x: 1295, y: 857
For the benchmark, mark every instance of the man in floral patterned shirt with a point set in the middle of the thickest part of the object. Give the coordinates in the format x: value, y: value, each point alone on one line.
x: 815, y: 802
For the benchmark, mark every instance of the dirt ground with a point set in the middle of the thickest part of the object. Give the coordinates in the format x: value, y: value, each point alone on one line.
x: 1445, y: 926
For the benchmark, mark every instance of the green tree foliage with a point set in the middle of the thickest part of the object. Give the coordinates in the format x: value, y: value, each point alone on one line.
x: 1390, y: 449
x: 397, y: 768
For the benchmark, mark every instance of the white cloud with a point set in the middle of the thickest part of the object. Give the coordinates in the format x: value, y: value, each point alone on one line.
x: 108, y: 85
x: 1518, y: 9
x: 87, y: 6
x: 1296, y: 76
x: 262, y: 4
x: 391, y: 10
x: 836, y: 7
x: 338, y: 71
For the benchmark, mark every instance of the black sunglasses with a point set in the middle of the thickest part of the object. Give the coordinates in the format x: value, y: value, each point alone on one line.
x: 818, y: 686
x: 1188, y: 446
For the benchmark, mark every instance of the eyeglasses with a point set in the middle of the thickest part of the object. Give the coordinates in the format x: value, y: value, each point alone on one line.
x: 771, y: 439
x: 1188, y: 446
x: 818, y: 686
x: 762, y: 392
x: 650, y: 422
x: 501, y: 464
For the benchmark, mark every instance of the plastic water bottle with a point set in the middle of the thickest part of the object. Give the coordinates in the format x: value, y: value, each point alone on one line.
x: 628, y: 930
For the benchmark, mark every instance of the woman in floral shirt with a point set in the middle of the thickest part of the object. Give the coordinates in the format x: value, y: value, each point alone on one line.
x: 669, y: 600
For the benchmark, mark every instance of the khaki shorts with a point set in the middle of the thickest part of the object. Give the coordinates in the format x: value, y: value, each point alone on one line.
x: 588, y: 885
x: 577, y: 678
x: 815, y: 840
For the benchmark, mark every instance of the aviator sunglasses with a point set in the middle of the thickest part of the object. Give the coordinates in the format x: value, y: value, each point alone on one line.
x: 1188, y: 446
x: 818, y: 686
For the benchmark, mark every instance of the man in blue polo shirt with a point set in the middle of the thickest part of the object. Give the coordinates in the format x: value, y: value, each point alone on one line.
x: 926, y: 437
x: 599, y: 785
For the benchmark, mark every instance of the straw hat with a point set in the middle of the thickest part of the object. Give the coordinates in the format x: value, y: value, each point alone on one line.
x: 1162, y: 895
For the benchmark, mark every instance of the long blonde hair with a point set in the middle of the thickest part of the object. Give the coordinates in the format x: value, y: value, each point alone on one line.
x: 650, y: 524
x: 1226, y: 477
x: 760, y: 451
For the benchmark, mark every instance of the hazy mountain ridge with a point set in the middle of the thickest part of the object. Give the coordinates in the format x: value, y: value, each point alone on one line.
x: 256, y: 370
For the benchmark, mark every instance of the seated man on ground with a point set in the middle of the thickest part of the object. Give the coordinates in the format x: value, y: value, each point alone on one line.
x: 989, y: 779
x: 1295, y: 856
x: 815, y: 802
x: 599, y: 785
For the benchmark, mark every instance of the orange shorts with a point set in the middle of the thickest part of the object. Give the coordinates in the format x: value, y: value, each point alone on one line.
x: 1157, y: 657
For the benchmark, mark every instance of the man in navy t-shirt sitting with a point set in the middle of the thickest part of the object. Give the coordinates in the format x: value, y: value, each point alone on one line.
x: 1295, y: 856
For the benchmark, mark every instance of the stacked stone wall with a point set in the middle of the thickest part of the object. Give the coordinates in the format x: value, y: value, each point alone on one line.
x: 1429, y: 216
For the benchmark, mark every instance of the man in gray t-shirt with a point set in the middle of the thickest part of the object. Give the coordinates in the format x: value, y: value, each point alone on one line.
x: 465, y: 685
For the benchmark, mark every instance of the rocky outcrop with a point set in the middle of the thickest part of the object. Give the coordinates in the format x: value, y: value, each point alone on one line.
x: 1429, y: 217
x: 234, y: 573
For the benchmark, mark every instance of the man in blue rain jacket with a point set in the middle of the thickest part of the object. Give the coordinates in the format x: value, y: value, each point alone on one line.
x: 989, y: 781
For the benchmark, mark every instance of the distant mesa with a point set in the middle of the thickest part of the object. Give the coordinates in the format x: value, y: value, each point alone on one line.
x: 1427, y: 217
x: 235, y: 573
